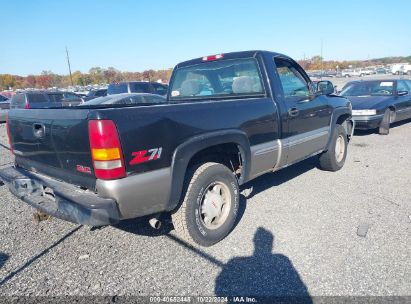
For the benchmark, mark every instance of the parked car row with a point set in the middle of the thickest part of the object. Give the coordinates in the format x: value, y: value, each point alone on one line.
x: 46, y: 99
x: 360, y: 72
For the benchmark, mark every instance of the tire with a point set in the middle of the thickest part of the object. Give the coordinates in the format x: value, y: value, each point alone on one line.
x: 331, y: 160
x: 389, y: 117
x: 207, y: 213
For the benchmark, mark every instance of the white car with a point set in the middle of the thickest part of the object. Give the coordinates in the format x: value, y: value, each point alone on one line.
x: 406, y: 69
x: 400, y: 68
x: 352, y: 73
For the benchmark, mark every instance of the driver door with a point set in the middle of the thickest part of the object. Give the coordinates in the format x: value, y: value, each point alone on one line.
x: 308, y: 115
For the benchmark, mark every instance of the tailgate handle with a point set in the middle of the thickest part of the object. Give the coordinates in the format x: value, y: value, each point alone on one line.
x: 39, y: 130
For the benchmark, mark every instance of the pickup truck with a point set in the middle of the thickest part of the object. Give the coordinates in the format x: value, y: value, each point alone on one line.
x: 227, y: 119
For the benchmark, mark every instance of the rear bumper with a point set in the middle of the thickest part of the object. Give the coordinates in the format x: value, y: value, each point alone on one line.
x: 59, y: 199
x: 367, y: 122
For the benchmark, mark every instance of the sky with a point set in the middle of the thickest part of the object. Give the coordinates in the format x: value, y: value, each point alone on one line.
x: 139, y: 35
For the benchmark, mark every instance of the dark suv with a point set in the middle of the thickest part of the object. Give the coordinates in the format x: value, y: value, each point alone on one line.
x: 44, y: 99
x: 137, y: 87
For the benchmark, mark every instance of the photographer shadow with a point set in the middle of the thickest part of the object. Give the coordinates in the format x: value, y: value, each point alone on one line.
x: 268, y: 276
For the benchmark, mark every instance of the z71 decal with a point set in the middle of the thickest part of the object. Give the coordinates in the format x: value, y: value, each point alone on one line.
x: 145, y: 156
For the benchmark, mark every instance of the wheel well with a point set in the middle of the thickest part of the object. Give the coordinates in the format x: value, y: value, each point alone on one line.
x: 347, y: 126
x: 342, y: 118
x: 228, y: 154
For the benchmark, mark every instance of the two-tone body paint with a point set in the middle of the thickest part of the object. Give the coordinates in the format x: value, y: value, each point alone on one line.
x: 266, y: 135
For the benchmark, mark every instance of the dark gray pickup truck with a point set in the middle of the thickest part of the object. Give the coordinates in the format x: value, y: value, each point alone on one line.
x: 227, y: 119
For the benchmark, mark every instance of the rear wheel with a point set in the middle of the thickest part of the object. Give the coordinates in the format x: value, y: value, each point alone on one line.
x: 334, y: 158
x: 389, y: 117
x: 210, y: 206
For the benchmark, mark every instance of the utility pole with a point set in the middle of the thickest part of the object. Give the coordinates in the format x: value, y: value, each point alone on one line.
x: 321, y: 57
x: 68, y: 62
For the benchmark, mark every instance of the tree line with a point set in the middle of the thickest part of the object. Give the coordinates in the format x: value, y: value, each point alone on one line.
x: 98, y: 75
x: 95, y: 75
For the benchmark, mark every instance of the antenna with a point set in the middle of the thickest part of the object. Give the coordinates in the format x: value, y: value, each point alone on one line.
x: 68, y: 62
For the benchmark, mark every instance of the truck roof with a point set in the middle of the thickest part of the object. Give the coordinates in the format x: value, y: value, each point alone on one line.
x: 231, y: 55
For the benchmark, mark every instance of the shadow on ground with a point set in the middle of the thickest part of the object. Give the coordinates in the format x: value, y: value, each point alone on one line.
x: 268, y: 277
x: 36, y: 257
x: 263, y: 274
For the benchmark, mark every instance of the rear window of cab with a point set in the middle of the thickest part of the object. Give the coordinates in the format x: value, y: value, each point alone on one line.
x: 232, y: 78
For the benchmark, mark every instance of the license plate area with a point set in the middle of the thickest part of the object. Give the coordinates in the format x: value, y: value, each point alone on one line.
x: 27, y: 186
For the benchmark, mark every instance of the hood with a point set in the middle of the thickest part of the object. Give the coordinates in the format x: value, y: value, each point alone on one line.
x: 369, y: 102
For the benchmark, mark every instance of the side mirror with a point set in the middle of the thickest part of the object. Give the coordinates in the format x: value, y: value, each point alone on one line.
x: 325, y: 87
x: 402, y: 93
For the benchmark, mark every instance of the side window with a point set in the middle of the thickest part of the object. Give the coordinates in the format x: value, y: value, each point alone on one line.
x: 409, y: 85
x: 141, y: 88
x: 293, y: 83
x: 401, y: 86
x: 71, y: 96
x: 18, y: 101
x: 101, y: 93
x: 159, y: 89
x: 55, y: 97
x: 36, y: 98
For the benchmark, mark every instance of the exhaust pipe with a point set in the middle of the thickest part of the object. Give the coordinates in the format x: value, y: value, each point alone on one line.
x: 155, y: 223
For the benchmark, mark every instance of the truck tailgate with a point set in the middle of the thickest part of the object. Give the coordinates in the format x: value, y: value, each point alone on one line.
x: 53, y: 142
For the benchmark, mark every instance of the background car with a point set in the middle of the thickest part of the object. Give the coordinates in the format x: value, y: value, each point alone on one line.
x: 4, y: 107
x: 44, y: 99
x: 126, y: 99
x: 137, y: 87
x: 352, y: 73
x: 70, y: 98
x: 378, y: 103
x: 381, y: 71
x: 95, y: 94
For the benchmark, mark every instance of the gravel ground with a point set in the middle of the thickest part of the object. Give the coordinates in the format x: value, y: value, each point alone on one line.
x: 305, y: 224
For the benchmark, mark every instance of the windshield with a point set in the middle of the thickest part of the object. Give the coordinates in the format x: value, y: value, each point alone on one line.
x: 369, y: 88
x: 217, y: 79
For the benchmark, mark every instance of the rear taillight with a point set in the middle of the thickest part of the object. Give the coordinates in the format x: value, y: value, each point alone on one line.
x: 8, y: 134
x: 106, y: 150
x: 27, y: 106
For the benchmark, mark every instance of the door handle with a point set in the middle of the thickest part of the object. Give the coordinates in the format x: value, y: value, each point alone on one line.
x: 39, y: 130
x: 293, y: 112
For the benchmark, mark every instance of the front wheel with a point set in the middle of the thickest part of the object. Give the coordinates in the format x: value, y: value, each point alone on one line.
x: 210, y: 205
x: 334, y: 158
